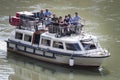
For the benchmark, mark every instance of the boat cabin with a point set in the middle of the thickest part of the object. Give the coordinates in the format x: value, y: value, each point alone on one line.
x: 50, y: 41
x: 67, y: 43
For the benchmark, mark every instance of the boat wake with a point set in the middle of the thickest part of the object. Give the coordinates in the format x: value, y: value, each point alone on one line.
x: 3, y: 50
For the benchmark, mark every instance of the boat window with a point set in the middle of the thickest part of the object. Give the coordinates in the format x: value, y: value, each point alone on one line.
x: 27, y: 38
x: 73, y: 46
x: 18, y: 35
x: 57, y: 44
x: 88, y: 44
x: 45, y: 42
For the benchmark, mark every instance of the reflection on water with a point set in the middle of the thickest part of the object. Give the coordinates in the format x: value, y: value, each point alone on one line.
x: 5, y: 72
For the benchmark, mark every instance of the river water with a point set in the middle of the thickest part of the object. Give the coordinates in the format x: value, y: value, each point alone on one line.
x: 102, y: 20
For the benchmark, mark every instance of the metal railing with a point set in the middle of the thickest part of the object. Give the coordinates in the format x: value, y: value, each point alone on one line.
x: 65, y: 30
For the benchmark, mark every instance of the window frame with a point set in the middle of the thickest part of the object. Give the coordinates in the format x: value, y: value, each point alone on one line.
x: 19, y: 35
x: 30, y: 37
x: 58, y: 46
x: 75, y: 48
x: 45, y: 43
x: 88, y: 44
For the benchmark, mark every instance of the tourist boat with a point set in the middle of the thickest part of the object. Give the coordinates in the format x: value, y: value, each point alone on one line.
x: 54, y: 44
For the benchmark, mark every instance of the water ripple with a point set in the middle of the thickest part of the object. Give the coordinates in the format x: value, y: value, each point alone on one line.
x: 98, y: 1
x: 3, y: 49
x: 4, y: 18
x: 41, y: 6
x: 38, y: 7
x: 91, y: 23
x: 5, y: 72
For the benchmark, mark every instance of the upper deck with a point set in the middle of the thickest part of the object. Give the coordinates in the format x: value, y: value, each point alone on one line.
x: 72, y: 38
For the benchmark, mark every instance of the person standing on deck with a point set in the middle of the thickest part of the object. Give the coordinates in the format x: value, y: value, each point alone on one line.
x: 54, y: 17
x: 66, y: 21
x: 76, y: 19
x: 70, y: 19
x: 41, y: 16
x: 47, y: 13
x: 61, y: 22
x: 76, y: 22
x: 48, y: 20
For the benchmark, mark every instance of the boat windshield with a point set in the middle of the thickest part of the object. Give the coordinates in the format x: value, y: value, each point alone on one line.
x: 73, y: 46
x: 88, y: 44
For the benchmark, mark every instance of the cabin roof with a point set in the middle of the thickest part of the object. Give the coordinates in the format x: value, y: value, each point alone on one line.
x: 24, y: 31
x: 72, y: 38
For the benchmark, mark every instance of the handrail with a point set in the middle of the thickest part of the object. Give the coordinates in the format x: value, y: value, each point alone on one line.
x: 65, y: 30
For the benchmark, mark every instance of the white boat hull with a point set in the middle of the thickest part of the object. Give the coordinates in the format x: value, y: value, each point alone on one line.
x: 54, y: 58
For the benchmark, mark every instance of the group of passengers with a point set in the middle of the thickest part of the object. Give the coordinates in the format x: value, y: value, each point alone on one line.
x: 50, y: 18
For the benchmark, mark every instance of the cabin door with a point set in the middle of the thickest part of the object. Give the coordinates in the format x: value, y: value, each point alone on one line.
x: 36, y: 38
